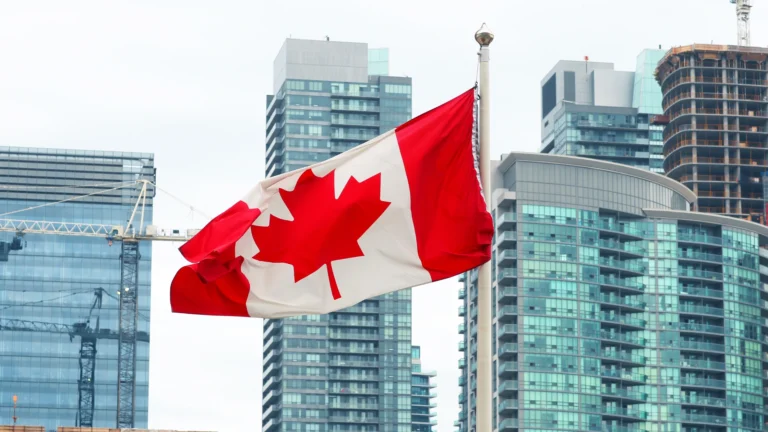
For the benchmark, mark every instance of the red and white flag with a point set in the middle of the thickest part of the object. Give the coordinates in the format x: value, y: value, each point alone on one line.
x: 401, y: 210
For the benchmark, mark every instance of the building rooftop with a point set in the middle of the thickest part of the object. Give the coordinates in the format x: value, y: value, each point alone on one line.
x: 510, y: 158
x: 670, y: 59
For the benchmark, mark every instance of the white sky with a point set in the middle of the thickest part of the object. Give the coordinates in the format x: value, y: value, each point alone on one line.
x: 186, y: 80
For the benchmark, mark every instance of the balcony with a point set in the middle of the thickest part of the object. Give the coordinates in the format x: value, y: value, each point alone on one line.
x: 505, y: 220
x: 462, y: 328
x: 699, y: 274
x: 703, y: 418
x: 506, y: 239
x: 507, y: 388
x: 621, y: 282
x: 623, y: 393
x: 508, y: 349
x: 506, y: 276
x: 699, y: 256
x: 354, y: 108
x: 628, y: 266
x: 700, y: 328
x: 352, y: 377
x: 700, y: 292
x: 462, y: 293
x: 506, y: 294
x: 700, y: 309
x: 462, y: 311
x: 624, y: 375
x: 617, y: 411
x: 507, y: 369
x: 701, y: 346
x: 702, y: 382
x: 352, y: 363
x: 623, y: 338
x: 352, y: 323
x: 506, y: 313
x: 508, y: 406
x: 352, y: 419
x: 352, y: 335
x: 623, y: 356
x: 507, y: 331
x: 699, y: 238
x: 635, y: 248
x: 462, y: 363
x: 508, y: 425
x: 506, y: 258
x: 623, y: 319
x: 690, y: 363
x: 462, y: 346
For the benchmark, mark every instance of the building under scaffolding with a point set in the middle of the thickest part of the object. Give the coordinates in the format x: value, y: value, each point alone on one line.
x: 59, y: 294
x: 716, y: 135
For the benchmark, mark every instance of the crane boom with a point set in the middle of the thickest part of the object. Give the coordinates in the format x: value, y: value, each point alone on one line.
x: 127, y: 334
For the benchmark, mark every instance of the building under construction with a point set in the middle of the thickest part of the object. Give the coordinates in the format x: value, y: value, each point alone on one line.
x: 65, y: 350
x: 715, y: 100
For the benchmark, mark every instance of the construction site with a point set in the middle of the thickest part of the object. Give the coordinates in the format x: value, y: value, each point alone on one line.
x: 75, y: 264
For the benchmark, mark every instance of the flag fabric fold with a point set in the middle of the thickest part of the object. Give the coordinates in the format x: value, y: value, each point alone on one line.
x: 401, y: 210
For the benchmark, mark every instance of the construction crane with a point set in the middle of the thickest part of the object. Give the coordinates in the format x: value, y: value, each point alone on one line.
x: 89, y: 334
x: 742, y: 21
x: 129, y: 237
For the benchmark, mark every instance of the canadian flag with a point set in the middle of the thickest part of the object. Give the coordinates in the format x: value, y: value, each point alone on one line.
x: 401, y: 210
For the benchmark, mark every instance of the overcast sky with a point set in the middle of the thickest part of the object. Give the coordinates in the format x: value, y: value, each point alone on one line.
x: 187, y: 80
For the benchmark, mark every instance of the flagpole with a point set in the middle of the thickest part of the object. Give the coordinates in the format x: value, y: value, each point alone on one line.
x: 484, y: 37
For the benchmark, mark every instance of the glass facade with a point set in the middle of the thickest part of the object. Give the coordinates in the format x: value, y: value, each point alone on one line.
x: 310, y: 121
x: 621, y: 138
x: 716, y: 134
x: 422, y: 407
x: 613, y: 318
x: 378, y: 61
x: 350, y: 370
x: 52, y: 279
x: 621, y: 134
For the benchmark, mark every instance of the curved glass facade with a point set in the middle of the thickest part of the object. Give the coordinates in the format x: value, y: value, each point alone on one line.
x: 52, y: 280
x: 609, y: 318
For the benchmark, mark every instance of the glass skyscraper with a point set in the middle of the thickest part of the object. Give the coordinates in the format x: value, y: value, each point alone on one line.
x: 51, y: 283
x: 615, y: 308
x: 591, y: 110
x: 350, y: 370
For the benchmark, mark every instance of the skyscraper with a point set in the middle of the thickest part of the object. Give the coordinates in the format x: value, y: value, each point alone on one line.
x: 325, y: 101
x: 422, y: 383
x: 615, y: 309
x: 50, y: 284
x: 350, y: 370
x: 591, y: 110
x: 716, y: 134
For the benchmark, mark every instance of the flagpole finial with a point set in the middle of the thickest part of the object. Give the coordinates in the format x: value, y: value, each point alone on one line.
x: 484, y: 36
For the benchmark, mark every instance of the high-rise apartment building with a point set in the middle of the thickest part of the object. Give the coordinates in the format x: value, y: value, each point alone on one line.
x: 422, y: 396
x: 716, y: 134
x: 50, y: 284
x: 329, y: 97
x: 591, y: 110
x: 350, y: 370
x: 615, y: 308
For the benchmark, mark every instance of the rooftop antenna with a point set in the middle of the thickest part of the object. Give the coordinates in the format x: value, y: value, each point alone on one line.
x: 327, y: 39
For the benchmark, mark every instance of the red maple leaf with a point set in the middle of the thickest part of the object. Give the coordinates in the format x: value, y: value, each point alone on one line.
x: 324, y: 228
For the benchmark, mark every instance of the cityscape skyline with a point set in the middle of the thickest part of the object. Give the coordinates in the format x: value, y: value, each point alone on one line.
x: 150, y: 117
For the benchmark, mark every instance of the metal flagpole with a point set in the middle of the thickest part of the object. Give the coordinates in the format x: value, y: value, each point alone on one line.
x: 484, y: 353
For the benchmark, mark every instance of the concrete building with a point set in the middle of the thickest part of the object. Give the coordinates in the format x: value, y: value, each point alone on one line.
x: 716, y: 134
x: 591, y: 110
x: 615, y: 308
x: 51, y: 284
x: 329, y: 97
x: 351, y: 370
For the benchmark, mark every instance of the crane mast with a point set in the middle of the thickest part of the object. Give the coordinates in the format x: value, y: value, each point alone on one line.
x: 742, y: 21
x: 130, y: 237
